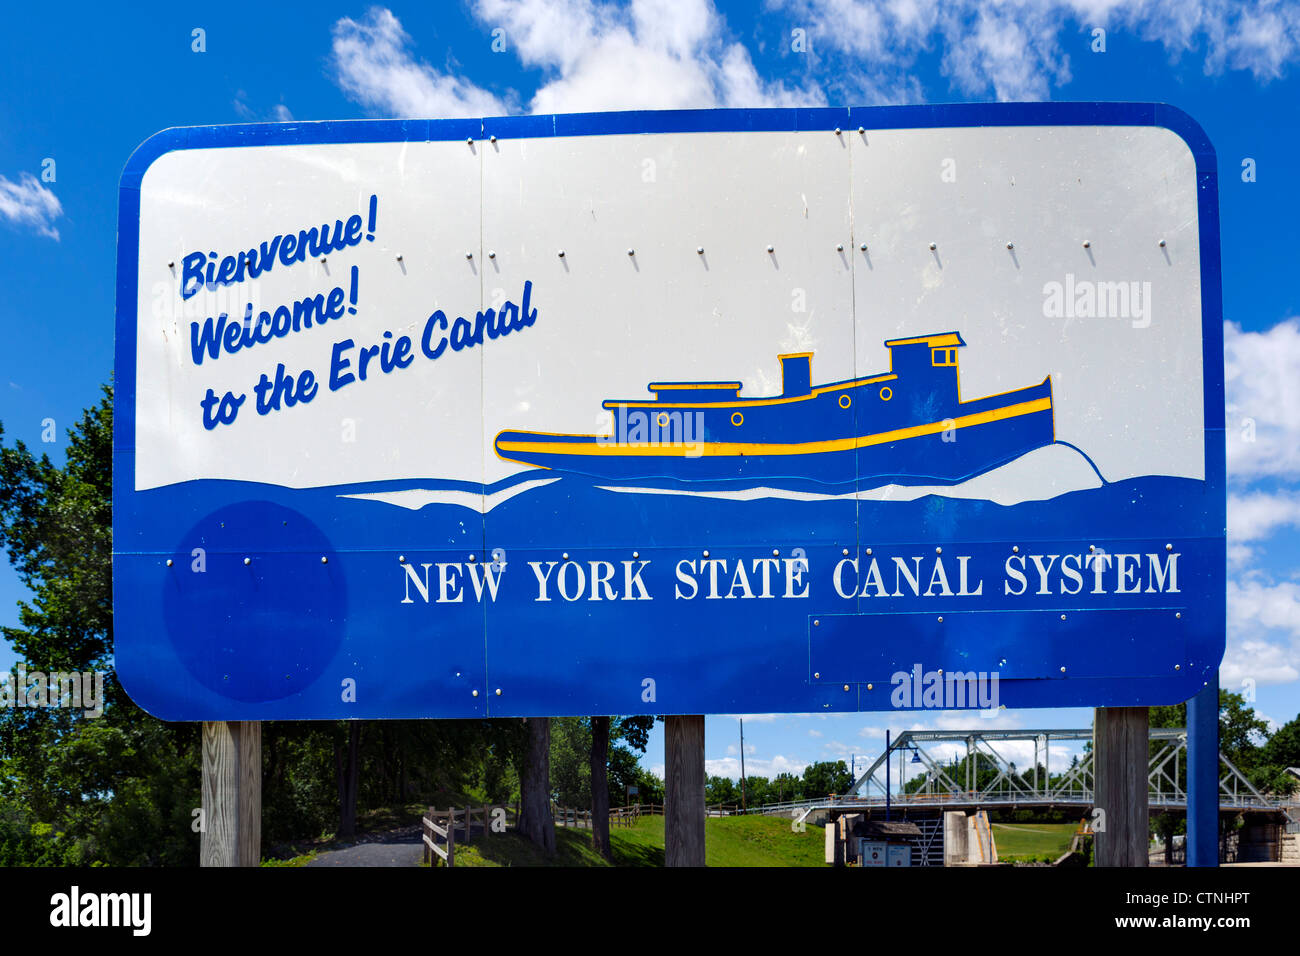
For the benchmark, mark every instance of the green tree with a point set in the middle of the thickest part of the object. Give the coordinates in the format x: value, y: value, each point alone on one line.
x: 1283, y: 747
x: 650, y: 787
x: 758, y: 791
x: 121, y: 787
x: 570, y: 761
x: 826, y: 777
x: 604, y: 730
x: 721, y: 790
x: 1243, y: 734
x: 536, y: 821
x: 787, y: 787
x: 1282, y: 751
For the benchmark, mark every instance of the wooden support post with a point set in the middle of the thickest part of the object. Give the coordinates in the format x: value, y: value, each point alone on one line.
x: 684, y: 791
x: 1120, y: 756
x: 232, y: 794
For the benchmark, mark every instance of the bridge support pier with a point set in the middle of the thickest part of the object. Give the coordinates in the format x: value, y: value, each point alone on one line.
x: 1120, y: 752
x: 956, y: 834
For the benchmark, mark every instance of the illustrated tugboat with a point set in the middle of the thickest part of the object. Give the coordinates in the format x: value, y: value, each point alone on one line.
x: 907, y: 426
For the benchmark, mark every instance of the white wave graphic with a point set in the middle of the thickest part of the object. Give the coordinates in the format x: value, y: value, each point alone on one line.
x: 1039, y: 475
x: 414, y: 499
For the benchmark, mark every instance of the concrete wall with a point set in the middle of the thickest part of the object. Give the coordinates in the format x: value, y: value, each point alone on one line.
x: 956, y: 838
x: 1291, y: 848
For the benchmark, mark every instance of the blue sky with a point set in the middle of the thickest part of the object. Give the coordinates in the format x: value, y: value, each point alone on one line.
x: 83, y: 86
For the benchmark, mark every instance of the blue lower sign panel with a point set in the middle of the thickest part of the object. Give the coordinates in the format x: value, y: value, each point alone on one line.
x: 705, y: 412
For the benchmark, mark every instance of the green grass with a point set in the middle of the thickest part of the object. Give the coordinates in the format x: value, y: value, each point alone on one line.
x: 728, y: 841
x: 1032, y: 841
x: 300, y: 860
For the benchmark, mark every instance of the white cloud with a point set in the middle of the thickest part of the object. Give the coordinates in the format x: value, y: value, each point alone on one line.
x: 1254, y: 604
x: 1262, y: 379
x: 1259, y: 660
x: 942, y: 720
x: 1020, y: 49
x: 29, y: 203
x: 650, y: 54
x: 374, y: 66
x: 730, y: 767
x: 680, y: 54
x: 1255, y: 517
x: 1263, y: 632
x: 1273, y: 725
x: 279, y: 113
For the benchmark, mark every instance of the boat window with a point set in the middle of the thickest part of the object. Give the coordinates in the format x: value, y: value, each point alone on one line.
x: 943, y: 356
x: 737, y: 418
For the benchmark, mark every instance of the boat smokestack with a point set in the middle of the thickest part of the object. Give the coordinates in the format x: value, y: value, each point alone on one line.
x: 796, y: 374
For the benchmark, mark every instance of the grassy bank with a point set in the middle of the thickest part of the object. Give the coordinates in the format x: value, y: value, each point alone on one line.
x: 728, y: 841
x: 1032, y: 841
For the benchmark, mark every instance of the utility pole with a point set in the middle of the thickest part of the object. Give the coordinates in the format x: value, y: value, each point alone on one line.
x: 742, y: 764
x: 887, y: 780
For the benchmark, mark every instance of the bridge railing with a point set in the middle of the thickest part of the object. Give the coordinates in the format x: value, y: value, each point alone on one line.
x: 1081, y: 798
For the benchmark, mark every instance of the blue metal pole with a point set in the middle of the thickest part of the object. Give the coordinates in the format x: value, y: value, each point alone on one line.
x: 1203, y: 775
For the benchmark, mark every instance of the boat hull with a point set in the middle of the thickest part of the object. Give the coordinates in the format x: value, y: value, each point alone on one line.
x: 976, y: 437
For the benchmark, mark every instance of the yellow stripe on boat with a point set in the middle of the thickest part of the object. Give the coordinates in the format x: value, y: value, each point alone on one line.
x: 751, y: 449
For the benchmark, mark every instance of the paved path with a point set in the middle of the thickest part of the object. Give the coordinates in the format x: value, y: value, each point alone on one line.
x: 396, y: 848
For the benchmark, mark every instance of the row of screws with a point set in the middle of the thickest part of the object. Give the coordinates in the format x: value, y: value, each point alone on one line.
x: 323, y: 560
x: 401, y: 558
x: 934, y: 247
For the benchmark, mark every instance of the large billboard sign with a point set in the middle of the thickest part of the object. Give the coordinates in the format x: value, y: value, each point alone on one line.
x: 689, y: 412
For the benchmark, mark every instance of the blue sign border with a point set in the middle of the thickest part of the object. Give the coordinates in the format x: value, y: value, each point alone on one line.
x: 1064, y: 693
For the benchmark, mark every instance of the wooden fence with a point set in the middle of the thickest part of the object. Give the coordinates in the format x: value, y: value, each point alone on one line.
x: 439, y: 842
x: 439, y: 828
x: 629, y: 815
x: 571, y: 818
